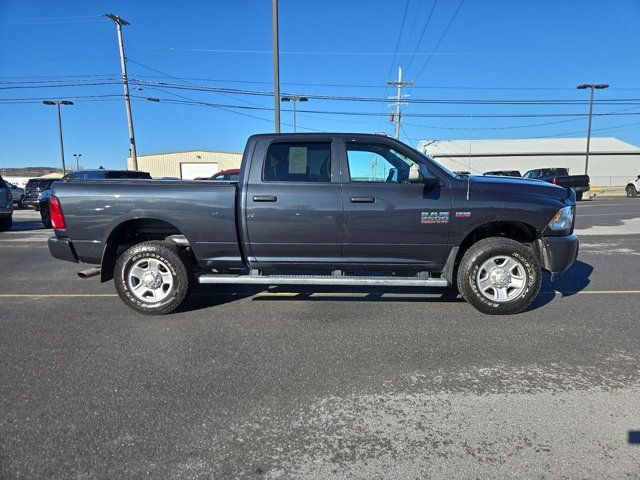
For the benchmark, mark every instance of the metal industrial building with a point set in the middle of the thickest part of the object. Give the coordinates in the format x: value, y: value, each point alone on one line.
x: 187, y: 164
x: 612, y: 162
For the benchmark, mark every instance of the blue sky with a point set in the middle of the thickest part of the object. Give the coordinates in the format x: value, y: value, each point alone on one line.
x: 488, y: 50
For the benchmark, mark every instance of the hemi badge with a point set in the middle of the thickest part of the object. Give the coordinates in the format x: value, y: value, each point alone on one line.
x: 464, y: 214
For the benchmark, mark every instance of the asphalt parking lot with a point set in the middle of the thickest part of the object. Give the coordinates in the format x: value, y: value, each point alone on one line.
x: 322, y: 383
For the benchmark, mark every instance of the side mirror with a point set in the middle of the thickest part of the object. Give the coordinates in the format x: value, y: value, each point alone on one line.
x: 418, y: 173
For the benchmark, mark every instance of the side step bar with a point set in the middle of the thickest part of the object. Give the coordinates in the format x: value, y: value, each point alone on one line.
x: 323, y: 280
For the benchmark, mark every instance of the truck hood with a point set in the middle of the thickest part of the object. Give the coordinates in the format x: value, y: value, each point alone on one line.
x: 522, y: 186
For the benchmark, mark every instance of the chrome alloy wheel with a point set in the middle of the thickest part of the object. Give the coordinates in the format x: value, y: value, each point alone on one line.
x: 501, y: 278
x: 150, y: 280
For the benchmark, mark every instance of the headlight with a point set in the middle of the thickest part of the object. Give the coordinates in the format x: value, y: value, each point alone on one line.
x: 563, y: 220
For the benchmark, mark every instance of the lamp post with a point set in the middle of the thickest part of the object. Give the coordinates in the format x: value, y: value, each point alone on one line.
x: 294, y: 100
x: 57, y: 103
x: 592, y: 87
x: 77, y: 157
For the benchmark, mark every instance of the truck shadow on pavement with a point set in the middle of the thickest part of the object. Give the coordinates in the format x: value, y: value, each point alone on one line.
x: 570, y: 283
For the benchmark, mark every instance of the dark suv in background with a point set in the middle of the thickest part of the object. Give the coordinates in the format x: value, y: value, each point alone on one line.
x: 32, y: 191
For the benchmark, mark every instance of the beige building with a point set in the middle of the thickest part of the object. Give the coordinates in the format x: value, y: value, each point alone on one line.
x: 187, y: 164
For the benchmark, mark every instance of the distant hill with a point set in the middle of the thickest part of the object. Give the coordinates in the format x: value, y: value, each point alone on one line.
x: 28, y: 171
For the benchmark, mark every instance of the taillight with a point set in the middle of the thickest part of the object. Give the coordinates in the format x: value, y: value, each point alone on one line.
x: 554, y: 181
x: 55, y: 213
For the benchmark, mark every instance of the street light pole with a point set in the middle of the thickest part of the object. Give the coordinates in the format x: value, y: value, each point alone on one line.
x: 592, y: 87
x: 294, y: 100
x: 276, y: 64
x: 77, y: 156
x: 125, y: 82
x: 57, y: 103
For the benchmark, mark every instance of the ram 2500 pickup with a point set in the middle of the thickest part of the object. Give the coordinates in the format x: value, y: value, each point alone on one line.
x: 319, y: 209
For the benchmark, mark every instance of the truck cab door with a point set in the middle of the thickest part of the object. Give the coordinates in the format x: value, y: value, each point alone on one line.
x: 389, y: 222
x: 293, y: 212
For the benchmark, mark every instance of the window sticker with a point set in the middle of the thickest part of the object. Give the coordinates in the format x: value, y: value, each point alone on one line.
x: 298, y: 160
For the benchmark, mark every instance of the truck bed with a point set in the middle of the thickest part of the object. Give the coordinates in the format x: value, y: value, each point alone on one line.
x: 205, y: 212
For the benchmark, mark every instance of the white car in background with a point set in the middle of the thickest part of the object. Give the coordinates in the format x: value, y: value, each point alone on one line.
x: 633, y: 187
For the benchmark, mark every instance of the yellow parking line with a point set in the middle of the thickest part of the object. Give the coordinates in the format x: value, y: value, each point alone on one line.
x: 56, y: 295
x: 279, y: 294
x: 605, y: 292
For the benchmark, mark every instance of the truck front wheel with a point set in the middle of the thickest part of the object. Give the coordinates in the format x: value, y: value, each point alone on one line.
x: 499, y: 276
x: 153, y: 278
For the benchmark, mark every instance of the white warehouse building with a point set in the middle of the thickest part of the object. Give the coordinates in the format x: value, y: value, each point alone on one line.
x: 612, y: 162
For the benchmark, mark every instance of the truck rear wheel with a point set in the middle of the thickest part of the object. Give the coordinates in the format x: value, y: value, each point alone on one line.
x: 153, y: 278
x: 578, y: 196
x: 499, y: 276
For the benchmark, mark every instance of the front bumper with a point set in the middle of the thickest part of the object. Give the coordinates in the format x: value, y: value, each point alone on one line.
x: 62, y: 249
x: 557, y: 254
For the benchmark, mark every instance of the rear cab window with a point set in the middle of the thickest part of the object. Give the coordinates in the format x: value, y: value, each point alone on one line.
x: 298, y: 162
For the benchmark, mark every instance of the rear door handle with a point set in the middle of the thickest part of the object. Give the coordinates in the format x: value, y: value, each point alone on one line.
x: 363, y: 199
x: 265, y: 198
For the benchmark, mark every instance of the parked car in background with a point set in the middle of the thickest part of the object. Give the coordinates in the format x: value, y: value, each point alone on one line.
x: 6, y: 206
x: 560, y: 176
x: 503, y: 173
x: 230, y: 175
x: 633, y: 187
x: 80, y: 175
x: 18, y: 194
x: 32, y: 190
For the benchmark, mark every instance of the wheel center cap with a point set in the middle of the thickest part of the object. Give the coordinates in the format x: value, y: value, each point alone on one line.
x: 152, y: 280
x: 500, y: 278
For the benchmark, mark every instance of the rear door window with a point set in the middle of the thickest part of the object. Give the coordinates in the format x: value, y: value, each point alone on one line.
x: 298, y: 162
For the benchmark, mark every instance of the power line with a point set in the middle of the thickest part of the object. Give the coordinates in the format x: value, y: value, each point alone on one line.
x: 413, y: 54
x: 440, y: 40
x: 395, y: 53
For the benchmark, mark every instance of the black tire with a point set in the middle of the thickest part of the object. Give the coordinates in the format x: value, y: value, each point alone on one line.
x: 631, y: 191
x: 21, y: 202
x: 45, y: 216
x: 178, y: 266
x: 36, y: 208
x: 578, y: 196
x: 6, y: 223
x: 483, y: 251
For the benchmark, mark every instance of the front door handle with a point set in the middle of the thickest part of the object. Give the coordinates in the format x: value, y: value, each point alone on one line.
x: 265, y: 198
x: 363, y: 199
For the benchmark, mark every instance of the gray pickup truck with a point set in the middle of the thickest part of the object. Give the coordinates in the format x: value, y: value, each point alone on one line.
x: 319, y: 209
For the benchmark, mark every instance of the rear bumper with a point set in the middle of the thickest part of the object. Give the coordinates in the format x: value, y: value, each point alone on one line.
x: 582, y: 189
x: 557, y: 254
x: 62, y: 249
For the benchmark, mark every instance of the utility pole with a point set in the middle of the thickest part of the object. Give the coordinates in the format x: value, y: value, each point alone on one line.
x: 294, y: 100
x: 593, y: 88
x: 276, y: 64
x: 57, y: 103
x: 398, y: 84
x: 125, y: 82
